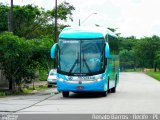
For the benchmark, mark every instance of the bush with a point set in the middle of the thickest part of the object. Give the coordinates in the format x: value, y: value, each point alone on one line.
x: 21, y: 59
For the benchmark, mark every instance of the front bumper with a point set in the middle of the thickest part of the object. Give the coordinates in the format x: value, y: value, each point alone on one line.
x: 90, y: 87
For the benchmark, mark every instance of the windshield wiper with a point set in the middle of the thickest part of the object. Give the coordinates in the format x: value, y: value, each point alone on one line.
x: 84, y: 60
x: 76, y: 62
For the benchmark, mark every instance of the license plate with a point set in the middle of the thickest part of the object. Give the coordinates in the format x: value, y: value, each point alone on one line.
x: 80, y: 87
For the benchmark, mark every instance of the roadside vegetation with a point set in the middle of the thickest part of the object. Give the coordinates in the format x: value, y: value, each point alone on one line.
x: 153, y: 74
x: 24, y: 91
x: 140, y: 55
x: 25, y: 53
x: 134, y: 70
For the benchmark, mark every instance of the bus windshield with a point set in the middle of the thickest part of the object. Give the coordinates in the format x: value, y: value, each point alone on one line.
x: 81, y: 57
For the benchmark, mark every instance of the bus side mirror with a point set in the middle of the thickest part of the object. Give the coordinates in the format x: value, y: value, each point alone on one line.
x: 53, y: 50
x: 107, y: 51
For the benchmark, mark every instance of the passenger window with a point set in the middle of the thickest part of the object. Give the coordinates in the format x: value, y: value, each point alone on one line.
x: 113, y: 45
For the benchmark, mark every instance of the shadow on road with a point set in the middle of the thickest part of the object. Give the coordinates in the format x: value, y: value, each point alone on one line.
x: 85, y: 95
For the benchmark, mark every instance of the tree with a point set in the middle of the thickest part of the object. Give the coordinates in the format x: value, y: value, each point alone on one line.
x: 10, y: 49
x: 127, y: 54
x: 127, y: 59
x: 158, y: 59
x: 33, y: 22
x: 127, y: 43
x: 21, y: 59
x: 3, y: 17
x: 146, y: 49
x: 64, y: 11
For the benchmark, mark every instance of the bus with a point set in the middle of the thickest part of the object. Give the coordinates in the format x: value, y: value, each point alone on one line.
x: 87, y: 60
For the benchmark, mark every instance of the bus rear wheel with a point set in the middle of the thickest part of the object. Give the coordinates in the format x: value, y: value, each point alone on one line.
x: 113, y: 90
x: 65, y: 94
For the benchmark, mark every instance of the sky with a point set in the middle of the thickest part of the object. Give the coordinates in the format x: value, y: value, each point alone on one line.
x: 131, y: 17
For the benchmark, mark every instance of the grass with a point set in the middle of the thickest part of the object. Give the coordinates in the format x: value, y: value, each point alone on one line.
x: 155, y: 75
x: 4, y: 93
x: 43, y: 75
x: 31, y: 90
x: 149, y: 72
x: 37, y: 88
x: 132, y: 70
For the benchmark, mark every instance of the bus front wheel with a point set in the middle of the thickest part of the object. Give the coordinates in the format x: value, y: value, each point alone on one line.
x: 65, y: 94
x: 104, y: 94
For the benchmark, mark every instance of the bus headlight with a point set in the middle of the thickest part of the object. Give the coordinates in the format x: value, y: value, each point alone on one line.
x: 99, y: 79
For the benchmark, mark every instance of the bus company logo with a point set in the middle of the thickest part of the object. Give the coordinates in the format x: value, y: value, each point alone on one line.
x: 71, y: 41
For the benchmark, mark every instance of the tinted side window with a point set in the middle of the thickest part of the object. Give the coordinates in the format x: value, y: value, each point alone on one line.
x: 113, y: 44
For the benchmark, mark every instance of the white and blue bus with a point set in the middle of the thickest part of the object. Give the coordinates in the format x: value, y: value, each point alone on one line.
x: 87, y: 60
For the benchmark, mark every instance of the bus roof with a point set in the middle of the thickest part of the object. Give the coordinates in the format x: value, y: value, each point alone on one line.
x: 85, y: 33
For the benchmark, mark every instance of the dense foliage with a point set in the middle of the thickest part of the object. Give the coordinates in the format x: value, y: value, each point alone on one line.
x: 140, y: 53
x: 21, y: 59
x: 31, y: 21
x: 25, y: 53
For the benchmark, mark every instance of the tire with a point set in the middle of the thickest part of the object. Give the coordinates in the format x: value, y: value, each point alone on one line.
x: 104, y: 94
x: 113, y: 90
x: 49, y: 86
x: 65, y: 94
x: 108, y: 86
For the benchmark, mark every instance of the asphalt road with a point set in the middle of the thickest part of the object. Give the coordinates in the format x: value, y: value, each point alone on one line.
x: 136, y: 93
